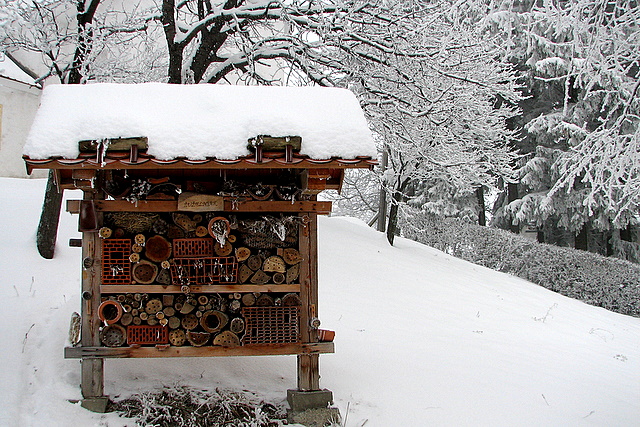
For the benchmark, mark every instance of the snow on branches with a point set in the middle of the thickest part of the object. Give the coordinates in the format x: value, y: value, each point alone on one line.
x: 590, y: 51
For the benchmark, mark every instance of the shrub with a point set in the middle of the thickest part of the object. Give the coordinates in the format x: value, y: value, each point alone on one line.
x: 604, y: 282
x: 184, y: 406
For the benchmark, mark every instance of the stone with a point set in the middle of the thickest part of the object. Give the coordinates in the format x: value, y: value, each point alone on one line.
x: 318, y: 417
x: 95, y: 404
x: 302, y: 400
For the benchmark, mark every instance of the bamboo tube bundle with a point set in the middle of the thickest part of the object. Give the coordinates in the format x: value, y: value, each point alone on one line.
x: 194, y: 319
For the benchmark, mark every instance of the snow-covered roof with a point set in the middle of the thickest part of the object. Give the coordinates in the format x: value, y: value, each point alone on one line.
x: 199, y: 121
x: 11, y: 70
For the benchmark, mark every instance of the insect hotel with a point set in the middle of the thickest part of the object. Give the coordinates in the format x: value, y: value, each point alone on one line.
x: 199, y: 217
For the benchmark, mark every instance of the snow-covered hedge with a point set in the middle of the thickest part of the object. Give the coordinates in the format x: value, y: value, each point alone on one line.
x: 605, y: 282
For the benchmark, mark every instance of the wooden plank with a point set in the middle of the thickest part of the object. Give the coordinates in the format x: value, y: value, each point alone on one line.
x: 305, y: 271
x: 115, y: 144
x: 323, y: 208
x: 194, y: 202
x: 90, y: 353
x: 308, y: 365
x: 308, y: 372
x: 313, y: 273
x: 275, y: 143
x: 73, y: 206
x: 160, y: 289
x: 83, y: 174
x: 92, y: 371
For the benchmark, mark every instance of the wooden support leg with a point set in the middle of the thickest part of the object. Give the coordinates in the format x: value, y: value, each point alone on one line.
x: 93, y: 385
x: 92, y: 369
x: 308, y: 401
x: 92, y: 378
x: 92, y: 375
x: 308, y: 372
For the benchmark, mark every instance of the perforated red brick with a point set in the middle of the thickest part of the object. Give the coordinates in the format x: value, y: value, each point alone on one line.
x: 192, y: 248
x: 116, y: 267
x: 145, y: 334
x: 271, y: 325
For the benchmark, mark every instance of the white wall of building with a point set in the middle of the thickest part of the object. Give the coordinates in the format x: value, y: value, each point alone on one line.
x: 18, y: 105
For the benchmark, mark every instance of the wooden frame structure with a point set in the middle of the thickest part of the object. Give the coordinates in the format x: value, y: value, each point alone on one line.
x: 89, y: 173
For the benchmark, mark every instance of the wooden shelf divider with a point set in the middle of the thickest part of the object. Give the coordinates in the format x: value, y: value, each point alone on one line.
x: 197, y: 289
x: 230, y: 205
x: 209, y: 351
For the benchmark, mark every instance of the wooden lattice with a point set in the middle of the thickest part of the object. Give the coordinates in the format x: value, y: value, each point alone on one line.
x: 192, y: 248
x: 204, y: 271
x: 145, y: 334
x: 271, y: 325
x: 116, y: 267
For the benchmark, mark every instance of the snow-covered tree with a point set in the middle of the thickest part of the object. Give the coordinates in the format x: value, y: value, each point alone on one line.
x: 430, y: 85
x: 76, y: 41
x: 436, y: 97
x: 79, y: 40
x: 583, y: 56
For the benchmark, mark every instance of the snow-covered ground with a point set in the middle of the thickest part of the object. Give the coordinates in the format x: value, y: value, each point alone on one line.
x: 423, y: 339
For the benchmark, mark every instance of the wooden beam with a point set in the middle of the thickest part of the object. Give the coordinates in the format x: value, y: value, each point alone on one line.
x: 171, y: 289
x: 275, y: 143
x: 308, y: 365
x: 92, y: 371
x: 97, y: 353
x: 230, y: 205
x: 308, y: 372
x: 115, y: 144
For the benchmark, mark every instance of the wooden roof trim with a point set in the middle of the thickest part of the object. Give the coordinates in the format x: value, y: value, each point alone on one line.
x: 242, y: 163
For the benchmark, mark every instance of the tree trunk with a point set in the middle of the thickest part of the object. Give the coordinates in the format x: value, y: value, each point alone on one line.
x: 382, y: 203
x: 85, y: 34
x: 512, y: 194
x: 49, y: 218
x: 392, y: 226
x: 175, y: 49
x: 482, y: 216
x: 582, y: 238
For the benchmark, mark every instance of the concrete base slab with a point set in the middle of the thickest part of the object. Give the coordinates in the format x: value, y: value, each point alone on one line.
x: 95, y: 404
x: 318, y: 417
x: 300, y: 401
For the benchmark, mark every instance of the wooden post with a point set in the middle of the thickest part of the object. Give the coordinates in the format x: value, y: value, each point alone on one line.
x: 92, y: 369
x: 308, y: 372
x: 308, y: 369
